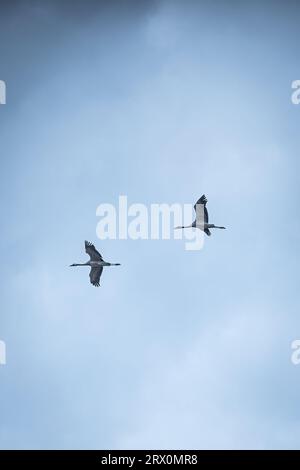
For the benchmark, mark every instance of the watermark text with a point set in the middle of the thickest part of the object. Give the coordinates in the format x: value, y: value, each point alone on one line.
x: 154, y: 222
x: 296, y: 94
x: 2, y: 92
x: 295, y: 356
x: 2, y: 353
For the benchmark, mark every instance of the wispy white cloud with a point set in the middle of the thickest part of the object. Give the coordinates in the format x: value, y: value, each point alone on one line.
x: 214, y: 393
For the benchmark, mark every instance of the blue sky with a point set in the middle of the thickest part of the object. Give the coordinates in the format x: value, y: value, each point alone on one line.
x: 161, y: 101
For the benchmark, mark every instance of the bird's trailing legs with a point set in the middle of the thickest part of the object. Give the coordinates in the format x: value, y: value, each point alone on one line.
x: 215, y: 226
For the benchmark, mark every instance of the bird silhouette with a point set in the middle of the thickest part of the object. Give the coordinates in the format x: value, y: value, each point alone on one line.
x: 96, y: 263
x: 202, y: 218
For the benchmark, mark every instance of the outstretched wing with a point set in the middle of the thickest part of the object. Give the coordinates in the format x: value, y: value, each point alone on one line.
x: 92, y: 252
x: 202, y: 210
x: 95, y: 274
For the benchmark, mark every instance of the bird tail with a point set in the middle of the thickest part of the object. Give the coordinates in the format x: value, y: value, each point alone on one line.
x: 207, y: 231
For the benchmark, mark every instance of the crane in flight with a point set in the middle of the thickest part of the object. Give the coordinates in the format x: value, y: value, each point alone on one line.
x: 96, y: 263
x: 201, y: 220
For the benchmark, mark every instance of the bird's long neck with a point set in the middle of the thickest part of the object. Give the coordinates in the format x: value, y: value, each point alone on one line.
x: 79, y: 264
x: 183, y: 226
